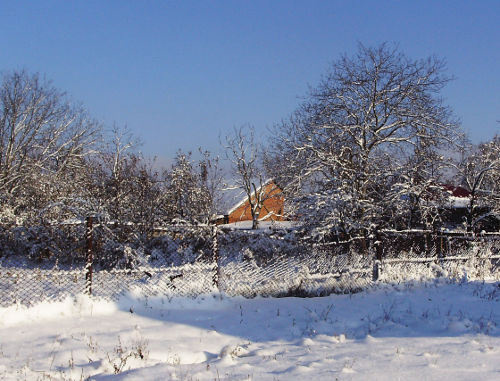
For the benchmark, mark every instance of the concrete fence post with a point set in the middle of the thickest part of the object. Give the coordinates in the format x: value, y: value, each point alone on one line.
x: 215, y: 251
x: 89, y: 255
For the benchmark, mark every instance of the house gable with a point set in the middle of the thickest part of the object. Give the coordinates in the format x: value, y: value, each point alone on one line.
x: 272, y: 209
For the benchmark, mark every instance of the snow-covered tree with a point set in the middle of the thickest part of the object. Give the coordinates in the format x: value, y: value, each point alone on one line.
x: 192, y: 189
x: 417, y: 196
x: 478, y: 170
x: 117, y: 166
x: 348, y: 146
x: 44, y: 138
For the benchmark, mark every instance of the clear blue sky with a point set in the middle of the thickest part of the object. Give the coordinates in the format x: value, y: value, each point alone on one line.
x: 179, y: 73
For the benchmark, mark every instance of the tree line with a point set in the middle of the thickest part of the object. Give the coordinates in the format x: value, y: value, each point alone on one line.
x: 58, y: 163
x: 369, y: 148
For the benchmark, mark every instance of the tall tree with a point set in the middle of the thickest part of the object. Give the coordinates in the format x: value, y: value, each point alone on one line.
x: 42, y: 135
x: 349, y: 142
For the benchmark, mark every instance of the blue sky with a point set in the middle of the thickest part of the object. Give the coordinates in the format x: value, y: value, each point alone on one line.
x: 181, y: 73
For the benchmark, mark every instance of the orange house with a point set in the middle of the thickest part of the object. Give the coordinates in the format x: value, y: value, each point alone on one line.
x: 272, y: 207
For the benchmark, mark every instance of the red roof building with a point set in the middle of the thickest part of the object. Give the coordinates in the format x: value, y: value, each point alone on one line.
x: 272, y: 208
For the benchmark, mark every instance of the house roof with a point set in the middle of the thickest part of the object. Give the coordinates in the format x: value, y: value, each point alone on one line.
x: 456, y: 191
x: 245, y: 199
x: 458, y: 197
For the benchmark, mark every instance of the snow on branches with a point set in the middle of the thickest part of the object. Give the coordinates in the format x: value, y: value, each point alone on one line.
x: 351, y: 145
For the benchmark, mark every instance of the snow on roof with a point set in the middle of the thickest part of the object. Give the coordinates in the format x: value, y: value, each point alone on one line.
x: 263, y: 225
x: 245, y: 199
x: 457, y: 191
x: 459, y: 197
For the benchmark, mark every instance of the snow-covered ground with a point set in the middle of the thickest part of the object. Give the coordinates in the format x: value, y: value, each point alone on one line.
x: 263, y: 225
x: 410, y: 332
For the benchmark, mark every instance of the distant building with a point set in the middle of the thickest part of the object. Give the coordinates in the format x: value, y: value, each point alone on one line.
x: 458, y: 211
x: 272, y: 209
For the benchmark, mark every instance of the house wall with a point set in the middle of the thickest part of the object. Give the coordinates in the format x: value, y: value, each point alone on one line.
x: 273, y: 207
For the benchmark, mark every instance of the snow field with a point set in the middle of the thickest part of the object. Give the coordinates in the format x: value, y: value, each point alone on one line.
x: 414, y: 331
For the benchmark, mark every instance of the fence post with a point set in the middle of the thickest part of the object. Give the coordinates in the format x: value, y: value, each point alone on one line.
x: 89, y: 256
x: 378, y: 246
x: 376, y: 269
x: 215, y: 248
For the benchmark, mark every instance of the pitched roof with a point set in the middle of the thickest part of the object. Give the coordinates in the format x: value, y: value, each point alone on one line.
x: 456, y: 191
x: 245, y: 199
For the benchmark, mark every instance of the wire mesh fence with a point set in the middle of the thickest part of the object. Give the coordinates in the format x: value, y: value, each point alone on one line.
x: 189, y: 261
x: 481, y: 264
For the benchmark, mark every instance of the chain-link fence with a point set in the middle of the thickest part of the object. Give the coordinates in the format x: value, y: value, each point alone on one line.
x: 189, y: 261
x: 480, y: 260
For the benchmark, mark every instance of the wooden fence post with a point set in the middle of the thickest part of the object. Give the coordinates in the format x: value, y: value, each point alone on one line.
x: 89, y: 256
x: 376, y: 269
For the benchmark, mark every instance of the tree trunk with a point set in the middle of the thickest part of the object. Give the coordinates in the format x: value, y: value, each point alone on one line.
x: 255, y: 221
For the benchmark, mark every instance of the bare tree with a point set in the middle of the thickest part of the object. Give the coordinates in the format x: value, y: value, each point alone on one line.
x: 42, y: 134
x: 192, y: 189
x: 417, y: 197
x: 211, y: 173
x: 478, y: 169
x: 119, y: 161
x: 248, y: 170
x: 347, y: 145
